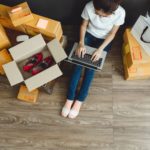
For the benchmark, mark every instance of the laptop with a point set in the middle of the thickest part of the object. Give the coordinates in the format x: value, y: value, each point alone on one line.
x: 86, y: 60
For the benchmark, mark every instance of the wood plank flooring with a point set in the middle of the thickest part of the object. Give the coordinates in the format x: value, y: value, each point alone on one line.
x: 115, y: 116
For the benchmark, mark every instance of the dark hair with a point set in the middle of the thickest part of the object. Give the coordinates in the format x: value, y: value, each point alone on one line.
x: 108, y: 6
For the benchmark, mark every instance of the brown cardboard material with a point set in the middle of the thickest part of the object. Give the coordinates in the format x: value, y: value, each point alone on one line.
x: 27, y: 49
x: 136, y: 72
x: 20, y: 14
x: 133, y: 51
x: 4, y: 58
x: 4, y: 41
x: 52, y: 30
x: 5, y: 20
x: 27, y: 96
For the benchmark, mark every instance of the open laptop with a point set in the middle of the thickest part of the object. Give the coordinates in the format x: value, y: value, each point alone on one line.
x: 86, y: 60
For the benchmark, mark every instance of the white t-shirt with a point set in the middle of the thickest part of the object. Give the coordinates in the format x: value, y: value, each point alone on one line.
x: 99, y: 26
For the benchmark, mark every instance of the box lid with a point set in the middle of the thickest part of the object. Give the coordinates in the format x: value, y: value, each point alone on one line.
x: 43, y: 77
x: 13, y: 73
x: 27, y: 48
x: 56, y: 50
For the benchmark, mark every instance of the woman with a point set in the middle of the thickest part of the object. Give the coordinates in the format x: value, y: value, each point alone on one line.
x: 101, y: 21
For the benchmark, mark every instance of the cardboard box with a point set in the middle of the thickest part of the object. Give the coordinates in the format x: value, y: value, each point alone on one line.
x: 141, y: 71
x: 53, y: 28
x: 134, y: 53
x: 27, y: 96
x: 25, y: 50
x: 20, y: 14
x: 5, y: 20
x: 4, y: 41
x: 4, y: 58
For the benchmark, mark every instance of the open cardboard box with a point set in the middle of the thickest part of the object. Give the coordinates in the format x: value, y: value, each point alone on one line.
x: 23, y: 51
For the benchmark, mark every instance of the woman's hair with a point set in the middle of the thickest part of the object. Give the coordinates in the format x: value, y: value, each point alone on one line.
x: 108, y: 6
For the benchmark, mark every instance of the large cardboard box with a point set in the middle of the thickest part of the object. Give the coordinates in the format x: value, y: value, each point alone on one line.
x: 27, y: 96
x: 25, y: 50
x: 4, y: 41
x: 4, y: 58
x: 20, y: 14
x: 5, y: 20
x: 134, y: 53
x: 50, y: 29
x: 141, y: 71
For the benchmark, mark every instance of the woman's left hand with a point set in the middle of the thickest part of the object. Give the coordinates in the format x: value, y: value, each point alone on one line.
x: 96, y: 55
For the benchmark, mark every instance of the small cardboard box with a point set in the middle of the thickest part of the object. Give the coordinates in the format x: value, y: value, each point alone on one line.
x: 4, y: 41
x: 20, y: 14
x: 25, y: 50
x: 27, y: 96
x: 134, y: 53
x: 50, y: 30
x: 5, y: 20
x: 4, y: 58
x: 142, y: 71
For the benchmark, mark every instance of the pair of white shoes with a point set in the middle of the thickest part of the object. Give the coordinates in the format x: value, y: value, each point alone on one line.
x: 71, y: 113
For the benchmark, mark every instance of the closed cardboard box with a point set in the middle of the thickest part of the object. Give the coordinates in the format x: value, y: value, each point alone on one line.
x: 134, y: 53
x: 4, y: 58
x: 50, y: 31
x: 4, y: 41
x: 20, y: 14
x: 27, y: 96
x: 141, y: 71
x: 5, y: 20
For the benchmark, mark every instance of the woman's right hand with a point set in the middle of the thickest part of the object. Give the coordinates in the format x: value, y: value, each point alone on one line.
x: 80, y: 51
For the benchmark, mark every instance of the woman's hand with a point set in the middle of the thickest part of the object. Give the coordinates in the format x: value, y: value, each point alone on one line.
x: 80, y: 51
x: 96, y: 55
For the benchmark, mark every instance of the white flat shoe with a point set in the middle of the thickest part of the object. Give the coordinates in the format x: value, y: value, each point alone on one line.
x: 65, y: 111
x: 73, y: 113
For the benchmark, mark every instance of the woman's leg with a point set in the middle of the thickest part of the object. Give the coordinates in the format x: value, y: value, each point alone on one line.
x: 74, y: 82
x: 87, y: 80
x: 72, y: 90
x: 88, y: 75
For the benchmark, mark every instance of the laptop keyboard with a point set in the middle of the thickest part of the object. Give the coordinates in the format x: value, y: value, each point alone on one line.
x: 87, y: 60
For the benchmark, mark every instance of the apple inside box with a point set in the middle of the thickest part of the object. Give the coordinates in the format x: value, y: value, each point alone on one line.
x: 23, y: 51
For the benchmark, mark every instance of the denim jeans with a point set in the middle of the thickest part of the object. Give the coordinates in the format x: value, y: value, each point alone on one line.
x: 92, y: 41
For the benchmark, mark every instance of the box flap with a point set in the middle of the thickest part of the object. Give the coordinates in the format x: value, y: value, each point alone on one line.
x: 13, y: 73
x: 27, y: 48
x: 56, y: 50
x: 43, y: 77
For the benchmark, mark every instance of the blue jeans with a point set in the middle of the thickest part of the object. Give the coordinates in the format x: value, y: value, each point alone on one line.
x: 92, y: 41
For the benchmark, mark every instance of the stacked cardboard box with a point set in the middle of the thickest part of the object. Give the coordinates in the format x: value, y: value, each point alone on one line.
x: 5, y: 20
x: 4, y: 58
x: 136, y: 61
x: 31, y: 24
x: 4, y: 41
x: 20, y: 14
x: 49, y: 28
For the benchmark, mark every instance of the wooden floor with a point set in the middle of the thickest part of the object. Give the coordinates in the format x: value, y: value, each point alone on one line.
x: 115, y: 116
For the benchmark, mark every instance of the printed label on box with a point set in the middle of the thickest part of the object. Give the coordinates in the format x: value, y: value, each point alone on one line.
x: 42, y: 23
